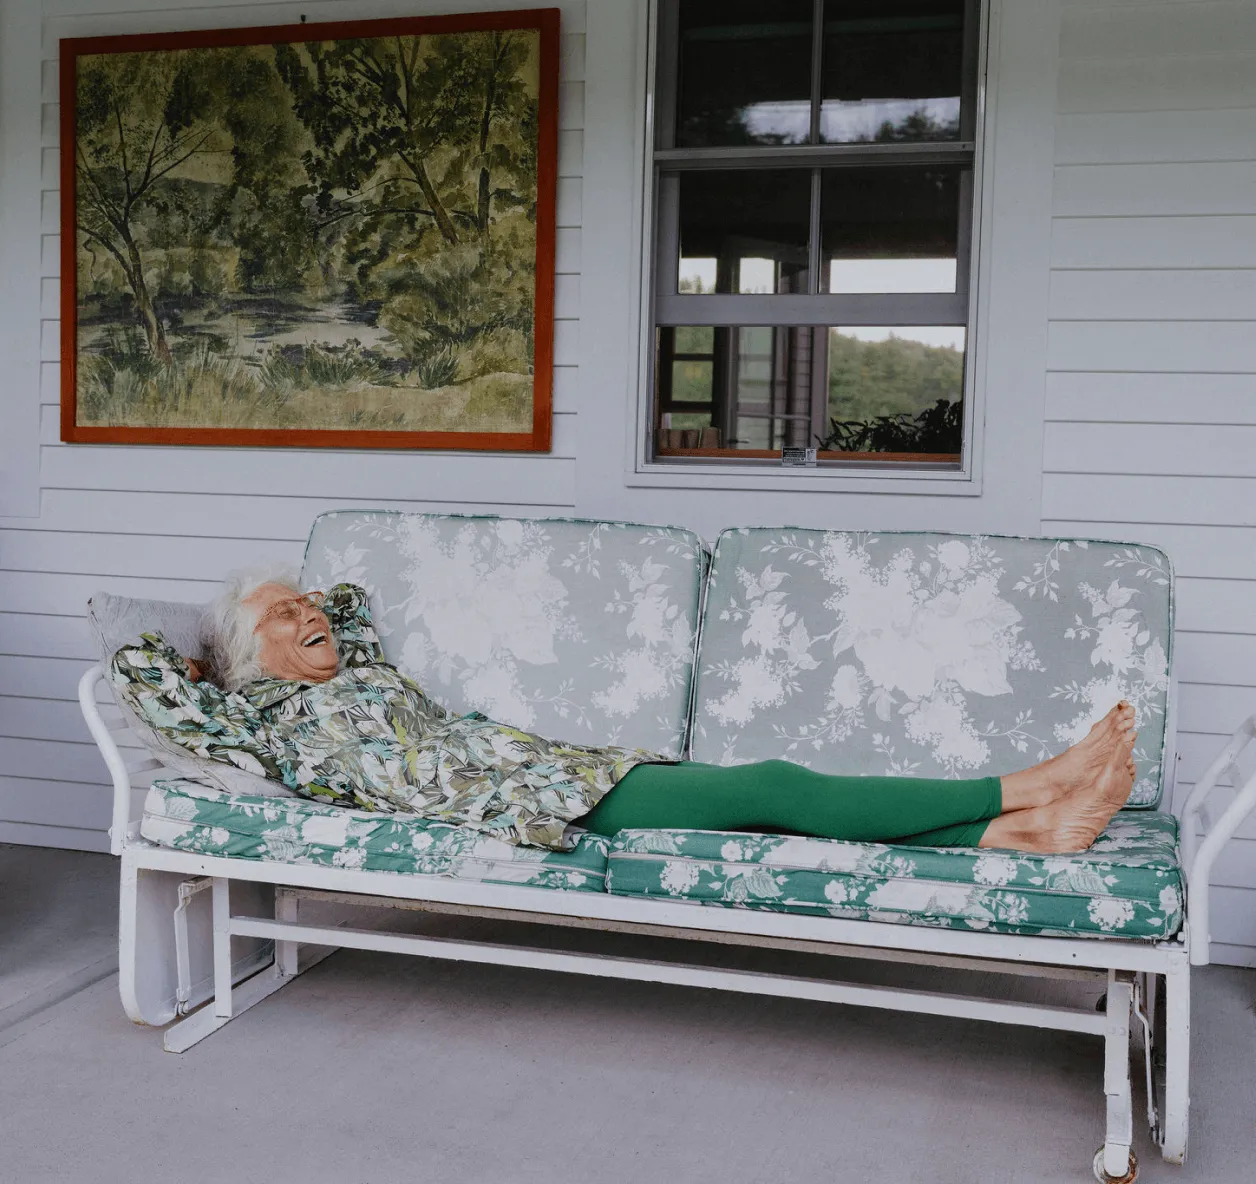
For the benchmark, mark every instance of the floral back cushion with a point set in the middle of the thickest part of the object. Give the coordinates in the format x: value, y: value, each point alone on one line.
x: 580, y: 631
x: 929, y: 655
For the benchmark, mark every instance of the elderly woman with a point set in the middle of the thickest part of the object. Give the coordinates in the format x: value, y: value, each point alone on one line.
x: 298, y: 690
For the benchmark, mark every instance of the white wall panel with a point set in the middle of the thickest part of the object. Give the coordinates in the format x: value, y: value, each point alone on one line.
x: 1183, y: 82
x: 1142, y: 137
x: 1150, y: 427
x: 1184, y: 346
x: 1217, y: 294
x: 1156, y: 29
x: 1150, y: 398
x: 1227, y: 240
x: 1144, y: 189
x: 1100, y: 497
x: 1160, y: 448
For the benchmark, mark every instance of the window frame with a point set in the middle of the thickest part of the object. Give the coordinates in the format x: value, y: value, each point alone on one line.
x: 661, y: 306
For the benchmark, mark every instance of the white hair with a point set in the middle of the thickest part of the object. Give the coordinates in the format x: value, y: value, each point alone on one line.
x: 232, y: 649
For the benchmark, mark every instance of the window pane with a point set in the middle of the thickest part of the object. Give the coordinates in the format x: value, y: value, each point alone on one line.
x: 745, y: 72
x: 892, y: 70
x: 760, y: 384
x: 744, y: 231
x: 896, y: 389
x: 890, y: 229
x: 691, y: 382
x: 695, y: 339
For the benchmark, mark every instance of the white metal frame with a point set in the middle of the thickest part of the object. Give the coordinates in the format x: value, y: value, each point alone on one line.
x: 249, y: 938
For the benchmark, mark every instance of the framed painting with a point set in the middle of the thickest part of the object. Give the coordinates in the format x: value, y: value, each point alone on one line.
x: 336, y: 235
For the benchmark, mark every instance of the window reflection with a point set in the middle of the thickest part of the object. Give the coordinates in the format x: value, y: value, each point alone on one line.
x: 744, y: 232
x: 896, y: 389
x: 745, y: 72
x: 697, y: 275
x: 891, y: 229
x: 867, y: 390
x: 891, y: 275
x: 892, y: 71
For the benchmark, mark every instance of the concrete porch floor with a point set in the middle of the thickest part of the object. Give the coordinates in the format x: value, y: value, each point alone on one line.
x: 378, y: 1068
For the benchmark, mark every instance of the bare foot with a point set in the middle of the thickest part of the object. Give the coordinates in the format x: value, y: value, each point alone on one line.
x: 1075, y: 768
x: 1072, y: 822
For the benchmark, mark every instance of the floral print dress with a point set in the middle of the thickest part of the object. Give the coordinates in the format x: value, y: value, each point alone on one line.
x: 370, y: 738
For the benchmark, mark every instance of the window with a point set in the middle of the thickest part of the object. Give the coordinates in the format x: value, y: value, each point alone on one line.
x: 813, y: 172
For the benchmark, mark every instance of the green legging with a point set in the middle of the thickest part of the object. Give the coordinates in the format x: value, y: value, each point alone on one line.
x: 783, y: 797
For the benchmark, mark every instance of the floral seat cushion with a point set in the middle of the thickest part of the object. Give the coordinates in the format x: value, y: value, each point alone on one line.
x: 929, y: 655
x: 1128, y: 885
x: 579, y: 631
x: 193, y: 817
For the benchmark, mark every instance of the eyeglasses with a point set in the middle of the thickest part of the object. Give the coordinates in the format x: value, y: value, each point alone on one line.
x: 293, y: 609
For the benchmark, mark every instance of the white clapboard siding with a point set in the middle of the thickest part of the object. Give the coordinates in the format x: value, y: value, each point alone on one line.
x: 1159, y: 29
x: 170, y: 522
x: 1172, y: 449
x: 45, y: 803
x: 1150, y: 398
x: 1220, y: 240
x: 1210, y: 501
x: 223, y: 515
x: 1150, y: 430
x: 1144, y: 189
x: 71, y: 838
x: 1215, y: 294
x: 1181, y: 82
x: 41, y: 634
x: 1181, y: 345
x: 1146, y: 137
x: 41, y: 719
x: 1197, y: 750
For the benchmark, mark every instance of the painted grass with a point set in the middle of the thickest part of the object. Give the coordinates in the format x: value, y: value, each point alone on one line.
x: 326, y: 390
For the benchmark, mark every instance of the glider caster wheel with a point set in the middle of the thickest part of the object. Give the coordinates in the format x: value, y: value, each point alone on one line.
x: 1103, y: 1176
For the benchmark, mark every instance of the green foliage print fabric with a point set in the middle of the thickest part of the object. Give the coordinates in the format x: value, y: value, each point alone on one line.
x: 1128, y: 884
x: 371, y: 739
x: 192, y: 817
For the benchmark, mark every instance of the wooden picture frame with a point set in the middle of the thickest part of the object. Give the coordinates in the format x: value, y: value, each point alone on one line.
x: 382, y: 228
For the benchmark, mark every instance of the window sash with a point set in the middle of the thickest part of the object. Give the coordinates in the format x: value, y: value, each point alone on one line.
x: 890, y: 308
x: 875, y: 308
x: 819, y: 310
x: 667, y: 81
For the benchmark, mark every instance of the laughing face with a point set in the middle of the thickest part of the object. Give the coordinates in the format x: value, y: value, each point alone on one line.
x: 295, y: 637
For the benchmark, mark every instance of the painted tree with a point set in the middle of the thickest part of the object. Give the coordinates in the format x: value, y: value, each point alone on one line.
x: 419, y: 146
x: 140, y: 118
x: 402, y: 125
x: 378, y: 110
x: 507, y: 110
